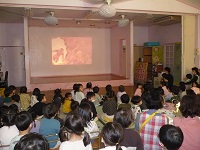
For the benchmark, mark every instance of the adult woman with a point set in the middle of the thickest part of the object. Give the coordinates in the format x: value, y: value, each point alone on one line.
x: 195, y: 77
x: 189, y: 123
x: 149, y: 122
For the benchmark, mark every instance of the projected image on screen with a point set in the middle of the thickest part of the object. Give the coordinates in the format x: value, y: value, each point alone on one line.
x: 71, y: 50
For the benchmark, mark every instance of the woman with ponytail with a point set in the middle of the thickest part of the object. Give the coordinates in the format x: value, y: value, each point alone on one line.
x: 73, y: 136
x: 112, y: 134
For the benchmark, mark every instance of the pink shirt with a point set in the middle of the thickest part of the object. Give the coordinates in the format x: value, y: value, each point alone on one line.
x: 138, y: 92
x: 191, y: 131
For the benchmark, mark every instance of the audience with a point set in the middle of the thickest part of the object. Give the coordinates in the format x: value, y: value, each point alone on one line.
x: 67, y: 103
x: 97, y: 97
x: 136, y: 101
x: 34, y: 96
x: 121, y: 89
x: 58, y: 98
x: 88, y: 88
x: 78, y: 93
x: 38, y: 107
x: 138, y: 91
x: 25, y: 99
x: 125, y: 101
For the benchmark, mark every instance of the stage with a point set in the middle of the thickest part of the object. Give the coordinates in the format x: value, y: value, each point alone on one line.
x: 66, y: 82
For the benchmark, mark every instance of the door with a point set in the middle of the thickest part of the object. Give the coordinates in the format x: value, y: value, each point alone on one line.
x: 13, y: 62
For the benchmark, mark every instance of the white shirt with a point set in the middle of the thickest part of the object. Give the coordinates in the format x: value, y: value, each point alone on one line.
x: 92, y: 127
x: 33, y: 100
x: 7, y: 134
x: 74, y: 145
x: 119, y: 94
x: 79, y: 96
x: 14, y: 141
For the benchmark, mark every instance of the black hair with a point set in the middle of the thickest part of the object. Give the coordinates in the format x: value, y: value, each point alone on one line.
x: 84, y: 110
x: 16, y: 98
x: 67, y: 94
x: 164, y: 75
x: 154, y: 100
x: 167, y: 69
x: 23, y: 120
x: 8, y: 117
x: 171, y: 137
x: 74, y: 105
x: 36, y: 91
x: 163, y: 83
x: 12, y: 87
x: 190, y: 106
x: 124, y: 117
x: 108, y: 88
x: 32, y: 141
x: 90, y: 95
x: 125, y: 98
x: 96, y: 89
x: 89, y: 85
x: 77, y: 88
x: 182, y: 87
x: 7, y: 91
x: 110, y: 94
x: 121, y: 88
x: 189, y: 76
x: 135, y: 100
x: 74, y: 86
x: 138, y: 84
x: 14, y: 107
x: 190, y: 92
x: 50, y: 110
x: 148, y: 87
x: 196, y: 70
x: 74, y: 125
x: 23, y: 89
x: 33, y: 114
x: 112, y: 134
x: 197, y: 85
x: 40, y: 97
x: 57, y: 91
x: 175, y: 89
x: 160, y: 91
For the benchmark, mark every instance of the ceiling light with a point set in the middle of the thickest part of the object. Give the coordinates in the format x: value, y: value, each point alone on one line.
x: 123, y: 21
x: 107, y: 10
x: 51, y: 19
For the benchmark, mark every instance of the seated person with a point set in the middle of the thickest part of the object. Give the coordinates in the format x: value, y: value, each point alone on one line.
x: 171, y: 137
x: 120, y: 93
x: 38, y: 107
x: 67, y: 103
x: 136, y: 101
x: 125, y: 101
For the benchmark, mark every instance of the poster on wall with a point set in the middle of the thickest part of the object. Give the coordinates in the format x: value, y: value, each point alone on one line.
x: 141, y: 72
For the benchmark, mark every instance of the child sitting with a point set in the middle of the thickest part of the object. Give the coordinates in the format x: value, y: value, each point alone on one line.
x: 138, y: 91
x: 195, y: 87
x: 67, y: 103
x: 165, y: 89
x: 15, y: 100
x: 88, y: 88
x: 78, y: 93
x: 171, y: 137
x: 125, y: 101
x: 39, y: 106
x: 187, y: 81
x: 50, y: 127
x: 13, y: 89
x: 78, y: 139
x: 136, y: 101
x: 176, y: 98
x: 25, y: 99
x: 36, y: 121
x: 57, y: 99
x: 120, y: 93
x: 74, y: 106
x: 97, y: 97
x: 182, y: 90
x: 23, y: 122
x: 8, y: 94
x: 35, y: 94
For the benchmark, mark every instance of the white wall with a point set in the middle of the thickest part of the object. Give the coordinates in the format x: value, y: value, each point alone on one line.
x: 165, y: 34
x: 140, y: 35
x: 40, y: 51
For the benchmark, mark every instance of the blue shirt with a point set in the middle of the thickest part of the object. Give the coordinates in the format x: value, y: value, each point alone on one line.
x: 50, y: 128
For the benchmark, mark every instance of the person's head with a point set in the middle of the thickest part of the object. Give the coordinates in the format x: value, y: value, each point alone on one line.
x: 15, y: 98
x: 154, y: 100
x: 89, y: 85
x: 112, y: 134
x: 90, y: 96
x: 68, y: 96
x: 139, y: 85
x: 171, y: 137
x: 195, y: 84
x: 23, y: 89
x: 96, y: 89
x: 121, y: 88
x: 182, y: 88
x: 41, y: 98
x: 167, y: 70
x: 162, y: 83
x: 175, y: 90
x: 50, y: 110
x: 13, y: 88
x: 190, y: 92
x: 74, y: 86
x: 36, y: 91
x: 190, y: 106
x: 74, y: 105
x: 14, y: 107
x: 74, y: 125
x: 125, y: 98
x: 57, y: 91
x: 8, y: 117
x: 188, y: 76
x: 124, y: 117
x: 108, y: 88
x: 195, y: 71
x: 8, y: 92
x: 160, y: 91
x: 84, y: 110
x: 32, y: 141
x: 136, y: 100
x: 148, y: 87
x: 164, y: 75
x: 110, y: 94
x: 79, y: 88
x: 23, y: 121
